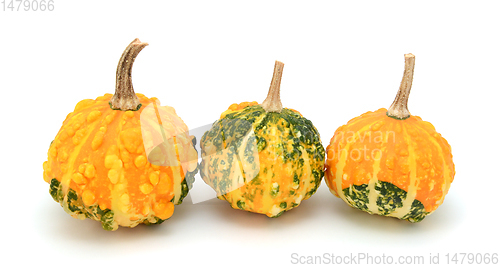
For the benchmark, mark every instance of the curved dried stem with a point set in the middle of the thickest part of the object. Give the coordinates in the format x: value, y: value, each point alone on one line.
x: 399, y: 108
x: 124, y: 98
x: 273, y: 102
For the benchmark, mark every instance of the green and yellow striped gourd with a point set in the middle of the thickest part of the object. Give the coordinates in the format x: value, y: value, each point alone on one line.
x: 263, y: 158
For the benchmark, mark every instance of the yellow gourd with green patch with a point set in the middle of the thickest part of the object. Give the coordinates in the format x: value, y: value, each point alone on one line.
x: 105, y: 162
x: 263, y: 158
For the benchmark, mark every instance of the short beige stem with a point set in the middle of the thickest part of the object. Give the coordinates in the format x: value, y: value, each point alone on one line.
x: 399, y: 108
x: 273, y: 102
x: 125, y: 98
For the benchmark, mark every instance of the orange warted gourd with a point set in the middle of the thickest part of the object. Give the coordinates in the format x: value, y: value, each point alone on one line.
x: 108, y: 164
x: 389, y: 162
x: 263, y: 158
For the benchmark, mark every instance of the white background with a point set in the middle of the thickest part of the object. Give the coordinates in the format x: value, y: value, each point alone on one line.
x: 341, y: 60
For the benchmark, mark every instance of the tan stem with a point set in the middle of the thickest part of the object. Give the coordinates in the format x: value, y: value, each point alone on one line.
x: 273, y: 102
x: 125, y: 98
x: 399, y: 108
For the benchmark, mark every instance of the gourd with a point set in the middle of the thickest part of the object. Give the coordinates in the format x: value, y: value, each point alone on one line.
x: 389, y: 162
x: 263, y: 158
x: 121, y: 159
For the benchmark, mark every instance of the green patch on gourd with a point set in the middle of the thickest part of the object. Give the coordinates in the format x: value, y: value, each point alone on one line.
x: 397, y: 118
x: 240, y: 204
x: 188, y: 181
x: 108, y: 222
x: 275, y: 190
x: 154, y: 221
x: 249, y: 196
x: 256, y: 180
x: 55, y: 190
x: 318, y: 175
x: 417, y: 212
x: 186, y: 185
x: 279, y: 214
x: 97, y: 212
x: 389, y: 198
x: 261, y: 144
x: 73, y: 204
x: 296, y: 179
x: 357, y: 196
x: 133, y: 110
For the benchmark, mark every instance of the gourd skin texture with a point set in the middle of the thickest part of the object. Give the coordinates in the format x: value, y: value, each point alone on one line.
x: 390, y: 167
x: 98, y: 166
x: 263, y: 162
